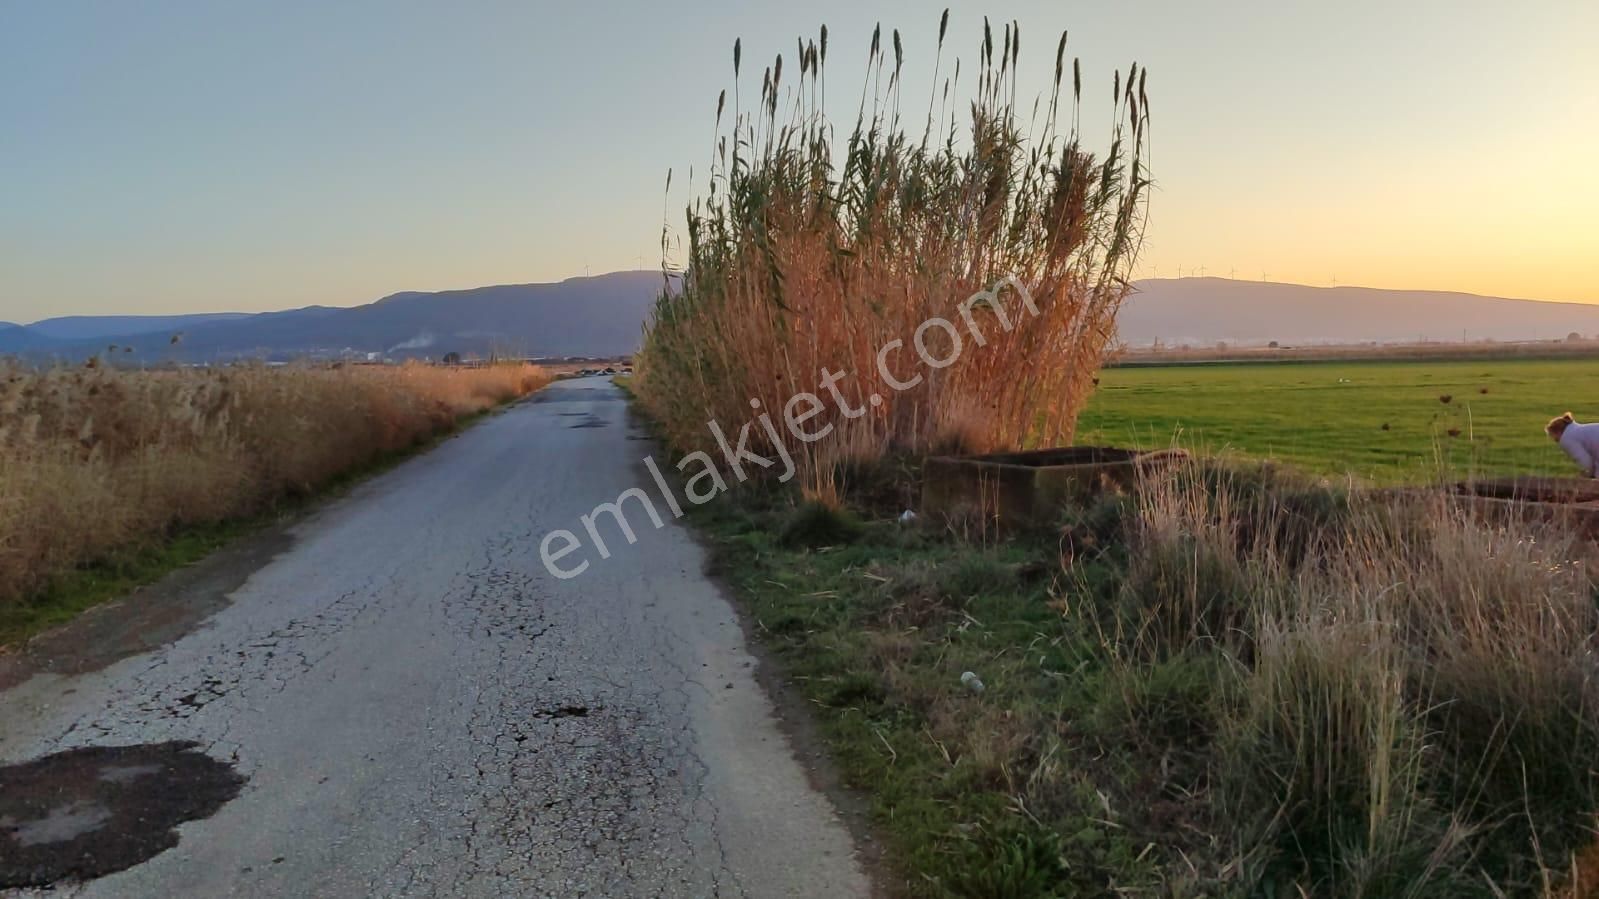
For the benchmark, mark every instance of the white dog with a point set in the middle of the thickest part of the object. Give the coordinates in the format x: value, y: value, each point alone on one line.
x: 1580, y: 441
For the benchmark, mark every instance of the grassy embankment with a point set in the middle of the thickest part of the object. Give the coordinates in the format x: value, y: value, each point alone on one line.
x: 109, y: 478
x: 1232, y: 685
x: 1382, y: 421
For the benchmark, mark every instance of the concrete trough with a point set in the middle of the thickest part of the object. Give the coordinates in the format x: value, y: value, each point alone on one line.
x: 1565, y: 491
x: 1566, y: 502
x: 1029, y: 488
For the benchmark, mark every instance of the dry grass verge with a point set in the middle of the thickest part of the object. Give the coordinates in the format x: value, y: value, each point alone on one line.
x: 97, y: 461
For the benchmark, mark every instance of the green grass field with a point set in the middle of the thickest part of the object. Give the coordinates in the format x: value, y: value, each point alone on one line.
x: 1330, y: 418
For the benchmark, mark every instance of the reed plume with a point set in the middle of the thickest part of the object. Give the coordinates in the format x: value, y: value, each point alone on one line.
x: 813, y: 248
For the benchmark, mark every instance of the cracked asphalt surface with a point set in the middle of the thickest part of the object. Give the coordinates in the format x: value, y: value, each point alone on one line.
x: 420, y: 709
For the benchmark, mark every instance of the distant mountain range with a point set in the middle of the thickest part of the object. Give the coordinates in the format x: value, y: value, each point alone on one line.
x: 1208, y: 310
x: 96, y: 327
x: 604, y: 315
x: 599, y: 316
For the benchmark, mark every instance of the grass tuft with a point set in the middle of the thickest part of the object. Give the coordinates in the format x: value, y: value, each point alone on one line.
x: 815, y: 524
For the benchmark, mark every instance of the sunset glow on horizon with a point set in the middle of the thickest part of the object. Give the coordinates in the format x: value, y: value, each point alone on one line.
x: 189, y: 157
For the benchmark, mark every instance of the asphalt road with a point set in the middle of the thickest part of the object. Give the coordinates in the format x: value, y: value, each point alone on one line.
x: 418, y: 708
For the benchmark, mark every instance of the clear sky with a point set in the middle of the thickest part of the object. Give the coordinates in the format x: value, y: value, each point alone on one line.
x: 192, y: 156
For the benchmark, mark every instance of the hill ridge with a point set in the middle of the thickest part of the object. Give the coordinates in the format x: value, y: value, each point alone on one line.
x: 604, y: 315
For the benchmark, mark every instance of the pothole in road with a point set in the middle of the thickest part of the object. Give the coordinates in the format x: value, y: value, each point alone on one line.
x: 565, y: 711
x: 85, y: 813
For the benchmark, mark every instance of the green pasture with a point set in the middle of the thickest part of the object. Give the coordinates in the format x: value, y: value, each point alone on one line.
x: 1380, y: 421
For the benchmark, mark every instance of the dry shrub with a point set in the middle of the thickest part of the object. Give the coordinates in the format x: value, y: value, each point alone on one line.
x: 812, y: 251
x: 97, y: 460
x: 1415, y: 699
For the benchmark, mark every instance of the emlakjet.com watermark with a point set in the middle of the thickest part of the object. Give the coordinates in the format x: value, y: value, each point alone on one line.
x: 562, y: 551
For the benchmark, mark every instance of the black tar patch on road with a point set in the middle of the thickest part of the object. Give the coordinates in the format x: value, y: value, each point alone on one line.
x: 85, y: 813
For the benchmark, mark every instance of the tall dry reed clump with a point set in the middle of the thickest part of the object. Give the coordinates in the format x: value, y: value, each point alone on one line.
x: 94, y: 461
x: 810, y: 250
x: 1408, y: 697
